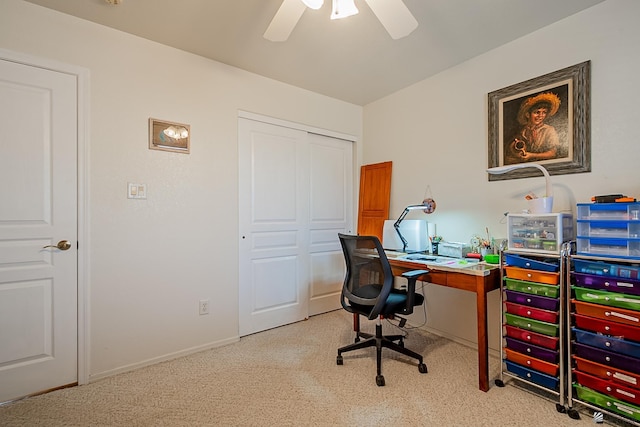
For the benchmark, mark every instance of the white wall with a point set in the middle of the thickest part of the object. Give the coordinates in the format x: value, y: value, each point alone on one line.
x: 435, y: 132
x: 152, y: 260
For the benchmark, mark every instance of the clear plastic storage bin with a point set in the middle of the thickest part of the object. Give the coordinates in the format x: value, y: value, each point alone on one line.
x: 539, y: 233
x: 609, y: 229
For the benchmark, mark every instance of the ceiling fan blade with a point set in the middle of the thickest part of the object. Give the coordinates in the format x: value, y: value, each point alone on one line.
x: 394, y: 16
x: 284, y: 20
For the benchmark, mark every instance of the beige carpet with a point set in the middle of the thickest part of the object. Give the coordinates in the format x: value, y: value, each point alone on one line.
x: 288, y: 377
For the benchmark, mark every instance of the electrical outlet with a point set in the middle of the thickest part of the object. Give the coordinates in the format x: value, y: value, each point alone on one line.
x: 203, y: 307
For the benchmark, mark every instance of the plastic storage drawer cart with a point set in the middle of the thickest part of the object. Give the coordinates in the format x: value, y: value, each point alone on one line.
x: 604, y: 352
x: 534, y: 319
x: 539, y: 233
x: 609, y: 230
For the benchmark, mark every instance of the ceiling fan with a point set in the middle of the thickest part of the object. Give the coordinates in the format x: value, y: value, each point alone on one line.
x: 393, y: 14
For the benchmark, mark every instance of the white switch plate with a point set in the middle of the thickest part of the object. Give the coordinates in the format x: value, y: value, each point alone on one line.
x: 136, y: 191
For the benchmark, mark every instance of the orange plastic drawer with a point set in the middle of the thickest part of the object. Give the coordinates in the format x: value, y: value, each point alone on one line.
x: 532, y: 312
x: 613, y: 314
x: 616, y: 375
x: 546, y: 277
x: 608, y: 387
x: 532, y: 363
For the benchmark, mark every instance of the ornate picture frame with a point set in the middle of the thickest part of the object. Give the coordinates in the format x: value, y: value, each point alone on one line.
x: 544, y: 120
x: 169, y: 136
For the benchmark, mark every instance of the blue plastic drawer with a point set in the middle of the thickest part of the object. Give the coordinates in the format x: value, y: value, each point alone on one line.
x: 606, y: 229
x: 607, y: 211
x: 602, y: 268
x: 612, y: 284
x: 609, y: 247
x: 530, y: 263
x: 606, y: 342
x: 536, y: 377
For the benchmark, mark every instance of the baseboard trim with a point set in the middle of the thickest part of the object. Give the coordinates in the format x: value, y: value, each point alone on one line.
x: 474, y: 345
x: 163, y: 358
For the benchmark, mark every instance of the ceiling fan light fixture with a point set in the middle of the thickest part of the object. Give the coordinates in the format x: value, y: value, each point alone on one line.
x: 343, y: 8
x: 313, y: 4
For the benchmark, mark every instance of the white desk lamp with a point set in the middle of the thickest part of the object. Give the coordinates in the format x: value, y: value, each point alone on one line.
x: 540, y: 205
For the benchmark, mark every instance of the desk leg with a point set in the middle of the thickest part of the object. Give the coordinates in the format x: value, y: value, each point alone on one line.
x: 483, y: 339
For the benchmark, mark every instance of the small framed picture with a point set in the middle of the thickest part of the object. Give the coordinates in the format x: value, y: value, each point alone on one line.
x: 169, y: 136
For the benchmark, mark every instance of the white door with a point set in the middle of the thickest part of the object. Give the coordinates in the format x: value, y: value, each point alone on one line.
x: 289, y: 183
x: 330, y: 212
x: 38, y: 208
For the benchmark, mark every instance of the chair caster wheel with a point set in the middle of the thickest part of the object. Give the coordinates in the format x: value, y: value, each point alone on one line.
x: 560, y: 408
x: 499, y: 383
x: 422, y: 368
x: 379, y: 380
x: 339, y: 360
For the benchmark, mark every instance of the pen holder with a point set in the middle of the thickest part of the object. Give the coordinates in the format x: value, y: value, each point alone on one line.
x: 540, y: 205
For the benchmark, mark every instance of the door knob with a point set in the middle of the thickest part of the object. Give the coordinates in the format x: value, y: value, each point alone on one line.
x: 63, y: 245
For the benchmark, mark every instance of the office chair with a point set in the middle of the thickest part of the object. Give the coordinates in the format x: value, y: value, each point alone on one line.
x: 368, y: 291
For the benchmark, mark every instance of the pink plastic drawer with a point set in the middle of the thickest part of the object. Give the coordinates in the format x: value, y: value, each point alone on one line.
x: 532, y: 312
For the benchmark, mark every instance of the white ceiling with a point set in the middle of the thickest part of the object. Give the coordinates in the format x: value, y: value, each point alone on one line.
x: 352, y: 59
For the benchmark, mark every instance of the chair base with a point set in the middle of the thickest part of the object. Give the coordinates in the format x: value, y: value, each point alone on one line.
x: 380, y: 341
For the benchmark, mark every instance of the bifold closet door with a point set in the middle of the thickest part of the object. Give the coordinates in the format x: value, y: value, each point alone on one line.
x: 295, y: 195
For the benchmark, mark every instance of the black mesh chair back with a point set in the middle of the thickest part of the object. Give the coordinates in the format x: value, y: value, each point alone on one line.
x: 368, y: 290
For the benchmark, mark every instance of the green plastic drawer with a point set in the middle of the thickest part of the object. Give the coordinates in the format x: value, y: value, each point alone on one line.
x: 544, y: 328
x: 534, y: 288
x: 607, y: 402
x: 611, y: 299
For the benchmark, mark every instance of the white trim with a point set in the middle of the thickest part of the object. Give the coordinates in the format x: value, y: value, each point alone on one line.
x: 166, y: 357
x: 293, y: 125
x: 82, y: 76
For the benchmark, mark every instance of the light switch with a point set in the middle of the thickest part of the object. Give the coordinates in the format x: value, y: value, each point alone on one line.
x: 137, y: 191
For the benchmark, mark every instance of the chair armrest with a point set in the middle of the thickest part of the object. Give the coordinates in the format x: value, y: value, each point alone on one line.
x: 414, y: 273
x: 412, y: 277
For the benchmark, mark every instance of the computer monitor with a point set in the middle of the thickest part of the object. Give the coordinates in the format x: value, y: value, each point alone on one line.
x: 413, y: 230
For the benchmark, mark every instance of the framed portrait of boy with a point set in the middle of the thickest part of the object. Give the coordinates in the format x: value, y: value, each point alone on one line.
x: 545, y: 120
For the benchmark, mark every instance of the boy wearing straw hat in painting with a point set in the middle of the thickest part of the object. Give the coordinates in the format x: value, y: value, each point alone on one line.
x: 536, y: 140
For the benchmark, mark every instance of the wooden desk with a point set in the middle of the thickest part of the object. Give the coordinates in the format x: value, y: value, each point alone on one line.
x: 480, y: 280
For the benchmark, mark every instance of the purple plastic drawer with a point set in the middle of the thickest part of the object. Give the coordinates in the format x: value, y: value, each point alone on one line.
x: 610, y: 358
x: 605, y: 342
x: 532, y: 350
x: 544, y: 303
x: 613, y: 284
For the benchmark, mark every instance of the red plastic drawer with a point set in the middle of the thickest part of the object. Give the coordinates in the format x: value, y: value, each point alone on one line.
x: 532, y: 312
x: 533, y: 337
x: 613, y: 314
x: 608, y: 387
x: 532, y: 362
x: 606, y: 372
x: 608, y: 327
x: 546, y: 277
